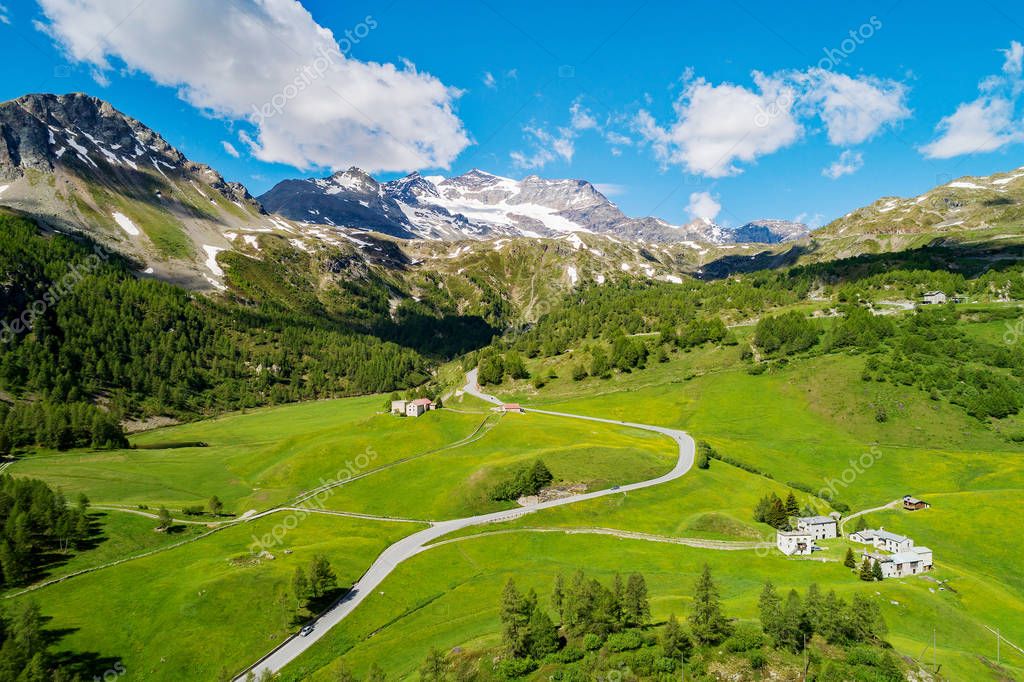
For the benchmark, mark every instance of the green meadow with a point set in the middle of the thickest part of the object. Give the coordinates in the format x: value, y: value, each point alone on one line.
x: 214, y: 607
x: 256, y: 460
x: 208, y: 608
x: 448, y: 597
x: 457, y: 482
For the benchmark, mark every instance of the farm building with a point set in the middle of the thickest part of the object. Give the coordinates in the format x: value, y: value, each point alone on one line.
x: 398, y: 407
x: 511, y: 408
x: 909, y: 562
x: 792, y: 542
x: 934, y: 298
x: 417, y: 407
x: 883, y: 539
x: 821, y: 527
x: 913, y: 504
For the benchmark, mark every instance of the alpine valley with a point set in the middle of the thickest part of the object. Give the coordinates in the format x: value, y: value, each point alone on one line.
x: 490, y: 428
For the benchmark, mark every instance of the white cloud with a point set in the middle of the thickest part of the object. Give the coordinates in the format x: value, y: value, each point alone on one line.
x: 984, y: 125
x: 719, y: 125
x: 269, y: 62
x: 489, y: 80
x: 546, y: 147
x: 813, y: 221
x: 854, y: 109
x: 582, y: 119
x: 849, y: 162
x: 703, y: 205
x: 4, y: 18
x: 229, y: 148
x: 610, y: 189
x: 989, y: 122
x: 1014, y: 59
x: 618, y: 138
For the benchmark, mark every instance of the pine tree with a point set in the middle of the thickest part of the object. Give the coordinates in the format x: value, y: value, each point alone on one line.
x: 543, y: 635
x: 792, y: 508
x: 515, y: 620
x: 708, y: 623
x: 636, y: 607
x: 321, y: 577
x: 777, y: 517
x: 300, y: 586
x: 770, y: 607
x: 850, y: 561
x: 876, y: 570
x: 164, y: 519
x: 675, y: 643
x: 866, y: 573
x: 558, y: 597
x: 434, y: 667
x: 617, y: 607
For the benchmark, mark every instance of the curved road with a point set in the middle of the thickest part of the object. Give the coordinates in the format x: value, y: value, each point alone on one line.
x: 412, y: 545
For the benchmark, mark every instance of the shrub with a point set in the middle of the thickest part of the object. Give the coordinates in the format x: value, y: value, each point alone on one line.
x: 592, y: 642
x: 747, y: 636
x: 624, y: 641
x: 511, y: 668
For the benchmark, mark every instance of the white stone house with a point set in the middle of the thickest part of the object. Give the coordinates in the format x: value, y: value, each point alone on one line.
x: 935, y: 297
x: 891, y: 542
x: 417, y: 407
x: 398, y: 407
x: 792, y: 542
x: 882, y: 539
x: 913, y: 561
x: 821, y: 527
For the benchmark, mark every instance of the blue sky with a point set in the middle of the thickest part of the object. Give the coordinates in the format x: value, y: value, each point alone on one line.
x: 732, y: 110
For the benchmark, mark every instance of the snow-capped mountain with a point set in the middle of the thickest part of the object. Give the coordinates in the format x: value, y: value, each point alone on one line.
x: 765, y: 231
x: 475, y: 205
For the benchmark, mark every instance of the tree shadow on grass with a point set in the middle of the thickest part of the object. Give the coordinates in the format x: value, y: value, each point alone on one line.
x: 318, y: 605
x: 50, y: 561
x: 86, y: 664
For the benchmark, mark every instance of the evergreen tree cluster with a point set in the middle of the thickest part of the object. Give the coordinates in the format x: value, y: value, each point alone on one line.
x: 36, y: 521
x: 772, y: 510
x: 786, y: 334
x: 313, y: 584
x: 146, y: 348
x: 24, y: 649
x: 528, y: 479
x: 791, y: 622
x: 494, y: 367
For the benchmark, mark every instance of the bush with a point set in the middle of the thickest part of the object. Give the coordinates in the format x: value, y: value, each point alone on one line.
x: 758, y: 661
x: 526, y: 480
x: 624, y: 641
x: 747, y: 636
x: 511, y: 668
x: 592, y: 642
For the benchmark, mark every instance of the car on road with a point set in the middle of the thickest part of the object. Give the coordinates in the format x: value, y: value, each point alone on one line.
x: 305, y: 630
x: 615, y: 487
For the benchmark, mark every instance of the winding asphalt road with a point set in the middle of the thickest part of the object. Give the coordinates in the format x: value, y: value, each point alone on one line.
x: 412, y: 545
